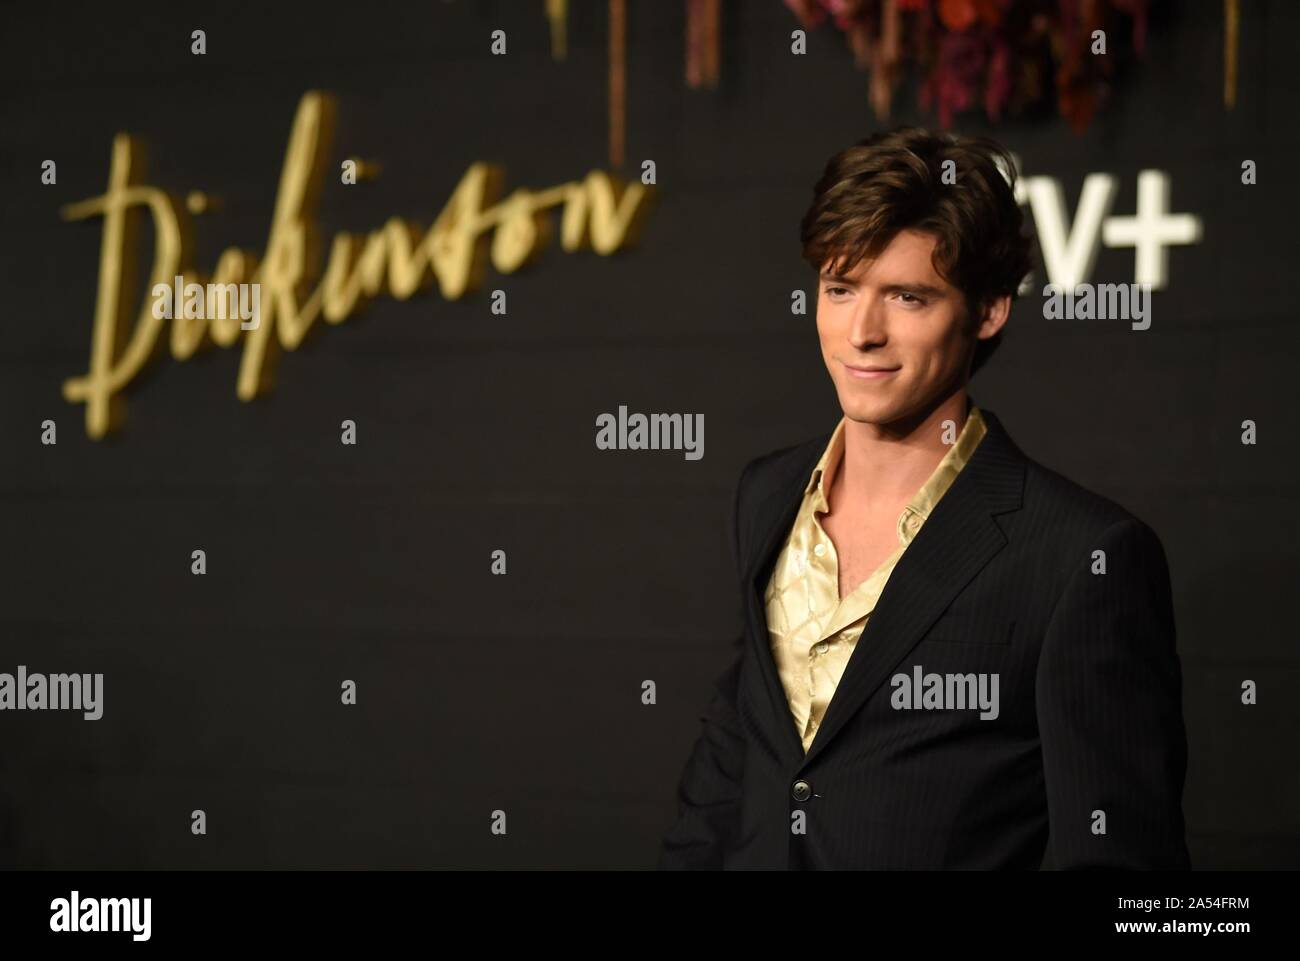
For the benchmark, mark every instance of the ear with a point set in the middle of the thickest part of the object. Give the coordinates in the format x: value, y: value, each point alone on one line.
x: 993, y: 317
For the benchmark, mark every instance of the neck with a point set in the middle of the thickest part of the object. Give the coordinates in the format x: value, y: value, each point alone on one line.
x: 885, y: 464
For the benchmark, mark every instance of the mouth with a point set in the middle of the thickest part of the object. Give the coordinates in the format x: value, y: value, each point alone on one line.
x: 871, y: 371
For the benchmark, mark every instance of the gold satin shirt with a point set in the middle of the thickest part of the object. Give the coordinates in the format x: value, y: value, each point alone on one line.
x: 811, y: 630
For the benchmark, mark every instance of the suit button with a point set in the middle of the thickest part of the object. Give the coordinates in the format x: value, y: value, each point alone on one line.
x: 802, y: 790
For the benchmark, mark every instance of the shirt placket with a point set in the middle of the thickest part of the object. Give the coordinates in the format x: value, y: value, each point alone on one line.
x: 824, y: 568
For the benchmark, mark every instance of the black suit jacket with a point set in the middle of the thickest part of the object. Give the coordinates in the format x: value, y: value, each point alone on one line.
x: 1082, y: 768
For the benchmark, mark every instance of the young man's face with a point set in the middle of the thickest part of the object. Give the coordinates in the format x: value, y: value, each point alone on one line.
x: 894, y: 312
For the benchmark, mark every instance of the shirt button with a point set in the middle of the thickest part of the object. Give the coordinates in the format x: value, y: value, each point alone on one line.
x: 819, y: 550
x: 823, y: 647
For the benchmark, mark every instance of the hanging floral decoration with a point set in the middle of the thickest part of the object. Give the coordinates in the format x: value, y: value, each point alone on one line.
x: 1006, y: 56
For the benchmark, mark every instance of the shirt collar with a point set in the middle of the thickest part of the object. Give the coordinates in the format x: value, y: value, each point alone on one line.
x: 923, y: 501
x: 819, y: 482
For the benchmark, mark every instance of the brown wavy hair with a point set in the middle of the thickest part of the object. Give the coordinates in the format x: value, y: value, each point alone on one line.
x: 893, y: 181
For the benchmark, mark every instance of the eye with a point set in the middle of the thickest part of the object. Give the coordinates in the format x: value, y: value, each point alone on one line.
x: 836, y: 291
x: 911, y: 300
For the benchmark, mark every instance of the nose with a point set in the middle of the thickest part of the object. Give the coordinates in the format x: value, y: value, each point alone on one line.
x: 867, y: 326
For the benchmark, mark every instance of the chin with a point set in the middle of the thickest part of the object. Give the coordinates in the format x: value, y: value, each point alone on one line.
x: 885, y: 408
x: 867, y: 411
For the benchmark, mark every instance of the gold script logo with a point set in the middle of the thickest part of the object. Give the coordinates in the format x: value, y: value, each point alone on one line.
x: 396, y: 260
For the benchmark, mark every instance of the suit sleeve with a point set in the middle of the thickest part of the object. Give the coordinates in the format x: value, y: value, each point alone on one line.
x: 709, y: 790
x: 1109, y: 705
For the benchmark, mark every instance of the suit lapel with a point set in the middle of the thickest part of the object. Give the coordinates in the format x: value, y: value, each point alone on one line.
x: 774, y: 515
x: 958, y: 539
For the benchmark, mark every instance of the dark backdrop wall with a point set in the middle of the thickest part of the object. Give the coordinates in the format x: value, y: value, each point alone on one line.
x: 476, y: 432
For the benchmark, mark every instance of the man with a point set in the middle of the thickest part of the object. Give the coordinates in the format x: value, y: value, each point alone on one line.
x: 953, y: 656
